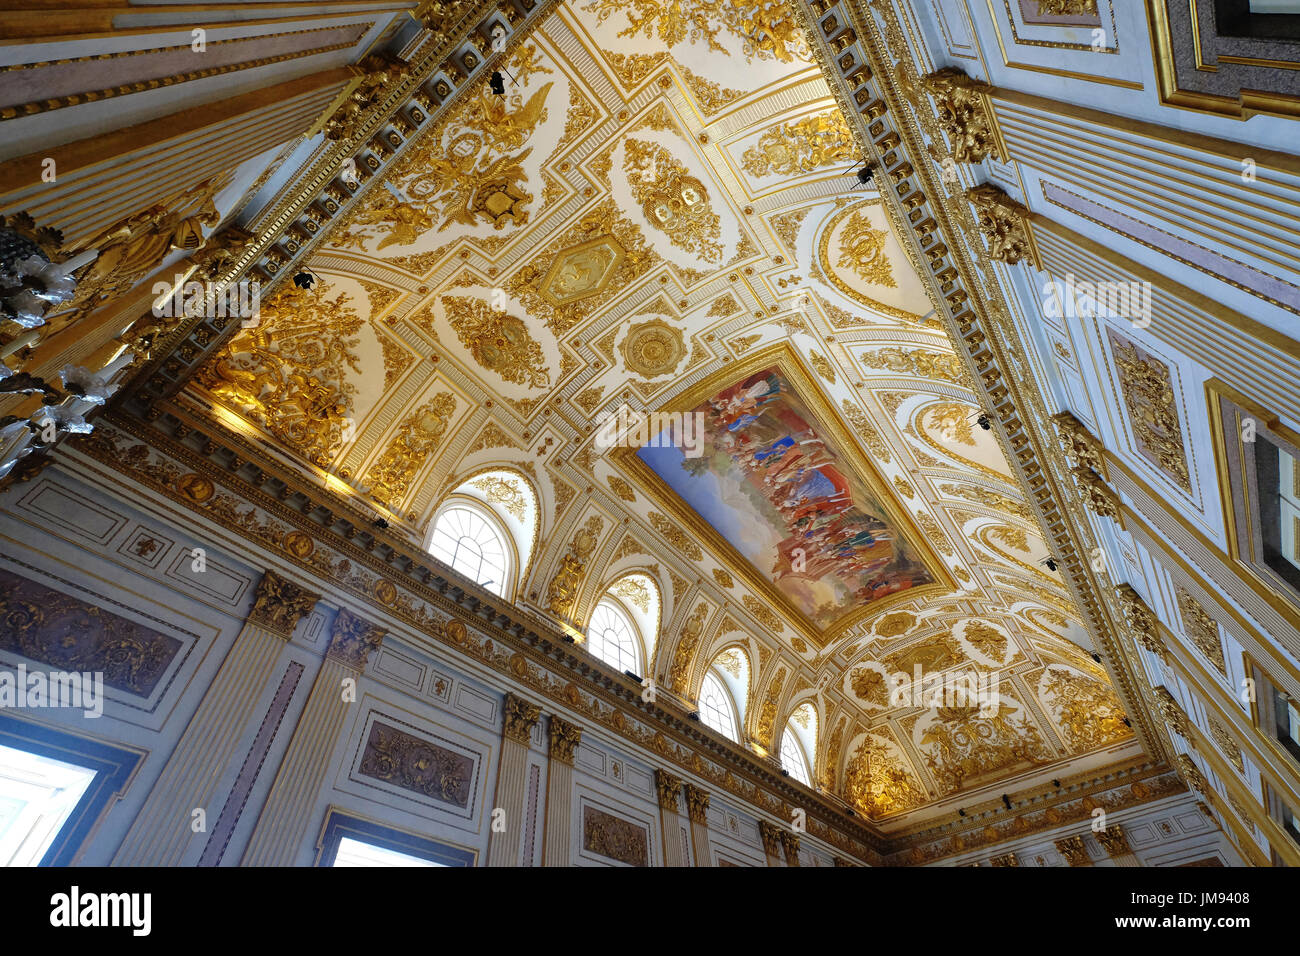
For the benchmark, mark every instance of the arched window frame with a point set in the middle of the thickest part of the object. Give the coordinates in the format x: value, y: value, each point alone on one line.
x: 727, y: 698
x: 493, y: 521
x: 800, y: 754
x: 638, y: 639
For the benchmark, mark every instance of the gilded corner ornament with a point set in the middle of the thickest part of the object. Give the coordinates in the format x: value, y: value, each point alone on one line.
x: 353, y: 639
x: 1082, y: 447
x: 1004, y: 224
x: 964, y: 114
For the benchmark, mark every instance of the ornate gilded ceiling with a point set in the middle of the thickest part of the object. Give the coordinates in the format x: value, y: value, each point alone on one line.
x: 659, y: 205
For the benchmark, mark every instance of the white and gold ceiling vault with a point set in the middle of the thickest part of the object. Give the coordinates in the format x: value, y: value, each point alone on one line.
x: 660, y: 205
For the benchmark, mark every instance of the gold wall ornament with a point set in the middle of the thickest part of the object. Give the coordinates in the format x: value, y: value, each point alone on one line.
x: 768, y: 30
x: 935, y: 534
x: 1114, y: 840
x: 279, y: 604
x: 723, y: 306
x: 1067, y: 8
x: 1087, y: 711
x: 520, y: 717
x: 418, y: 436
x: 965, y: 115
x: 892, y: 625
x: 1202, y: 629
x: 723, y: 578
x: 400, y: 223
x: 1171, y: 712
x: 412, y: 763
x: 497, y: 341
x: 961, y: 747
x: 877, y: 782
x: 863, y: 428
x: 672, y: 200
x: 1074, y: 851
x: 668, y: 788
x: 1011, y: 537
x: 288, y: 374
x: 680, y: 674
x: 697, y: 804
x: 633, y: 590
x: 1081, y: 446
x: 922, y: 363
x: 1004, y: 224
x: 500, y: 491
x: 676, y: 537
x: 352, y: 639
x: 762, y: 613
x: 562, y: 593
x: 565, y: 738
x: 377, y: 75
x: 589, y: 400
x: 986, y: 639
x: 870, y: 686
x: 790, y: 844
x: 1188, y: 770
x: 822, y: 366
x: 862, y: 249
x: 1097, y: 495
x: 583, y: 270
x: 653, y: 348
x: 791, y: 149
x: 195, y: 487
x: 765, y: 726
x: 615, y: 838
x: 1146, y: 385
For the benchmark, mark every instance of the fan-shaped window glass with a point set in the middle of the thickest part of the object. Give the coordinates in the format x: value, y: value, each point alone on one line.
x: 793, y: 759
x: 716, y: 709
x: 611, y: 638
x: 466, y: 542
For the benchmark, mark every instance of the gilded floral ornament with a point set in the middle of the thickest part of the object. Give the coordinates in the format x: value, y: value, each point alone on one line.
x: 672, y: 200
x: 288, y: 373
x: 1004, y: 224
x: 419, y: 434
x: 498, y: 341
x: 802, y: 146
x: 1087, y: 711
x: 653, y: 348
x: 964, y: 113
x: 501, y: 491
x: 1147, y: 387
x: 960, y: 746
x: 692, y: 631
x: 562, y: 593
x: 877, y: 781
x: 767, y: 28
x: 862, y: 249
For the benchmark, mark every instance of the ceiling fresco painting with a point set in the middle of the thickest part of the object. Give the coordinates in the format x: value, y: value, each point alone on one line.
x: 659, y: 209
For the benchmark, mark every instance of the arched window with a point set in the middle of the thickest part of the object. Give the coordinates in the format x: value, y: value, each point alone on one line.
x: 793, y: 759
x: 716, y: 707
x: 469, y: 542
x: 612, y: 637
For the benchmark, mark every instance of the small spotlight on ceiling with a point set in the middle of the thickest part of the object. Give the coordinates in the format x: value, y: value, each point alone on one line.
x: 983, y: 422
x: 694, y: 715
x: 961, y: 813
x: 1057, y: 784
x: 304, y: 280
x: 865, y: 175
x: 1006, y: 801
x: 1051, y: 563
x: 784, y: 772
x: 635, y: 677
x: 380, y: 523
x: 497, y: 83
x: 1096, y: 658
x: 568, y: 639
x: 1127, y: 722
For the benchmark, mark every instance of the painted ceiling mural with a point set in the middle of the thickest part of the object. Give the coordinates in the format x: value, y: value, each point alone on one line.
x: 659, y: 207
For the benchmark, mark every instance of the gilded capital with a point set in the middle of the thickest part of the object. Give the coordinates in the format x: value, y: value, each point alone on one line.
x: 697, y: 804
x: 1188, y: 770
x: 1114, y: 840
x: 669, y: 789
x: 840, y: 861
x: 565, y: 738
x: 520, y: 717
x: 1072, y: 848
x: 1007, y: 859
x: 1173, y: 715
x: 1141, y: 619
x: 352, y: 640
x: 771, y: 836
x: 1097, y: 495
x: 1082, y: 447
x: 965, y: 114
x: 1004, y: 224
x: 280, y: 604
x: 790, y: 843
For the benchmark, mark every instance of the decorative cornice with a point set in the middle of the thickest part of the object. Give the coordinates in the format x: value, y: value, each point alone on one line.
x: 565, y: 738
x: 520, y: 717
x: 1081, y: 446
x: 697, y: 804
x: 352, y: 640
x: 279, y: 604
